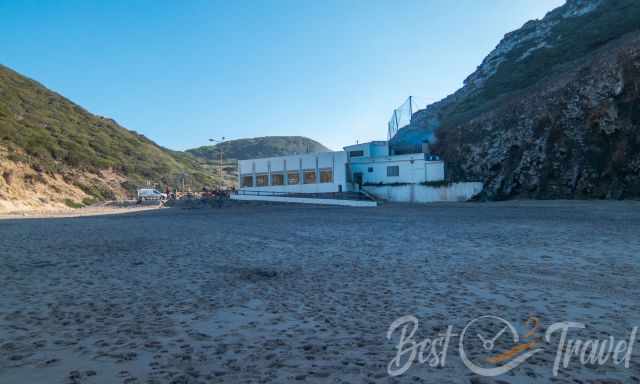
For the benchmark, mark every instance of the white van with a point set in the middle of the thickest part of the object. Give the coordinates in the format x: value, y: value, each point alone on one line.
x: 150, y: 194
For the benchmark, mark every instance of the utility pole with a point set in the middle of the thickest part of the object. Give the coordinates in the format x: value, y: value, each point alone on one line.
x: 221, y: 153
x: 221, y: 161
x: 180, y: 181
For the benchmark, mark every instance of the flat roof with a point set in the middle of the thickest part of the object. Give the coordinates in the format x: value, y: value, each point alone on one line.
x: 374, y: 142
x: 294, y: 155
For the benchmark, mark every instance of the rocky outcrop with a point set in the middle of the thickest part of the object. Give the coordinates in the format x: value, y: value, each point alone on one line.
x: 533, y: 36
x: 514, y: 48
x: 576, y: 134
x: 551, y: 111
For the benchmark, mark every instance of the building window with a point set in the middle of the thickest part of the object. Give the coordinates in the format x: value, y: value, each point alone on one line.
x: 293, y: 178
x: 309, y: 176
x: 277, y: 179
x: 356, y: 153
x: 246, y: 181
x: 326, y: 175
x: 370, y: 169
x: 393, y: 170
x: 262, y: 180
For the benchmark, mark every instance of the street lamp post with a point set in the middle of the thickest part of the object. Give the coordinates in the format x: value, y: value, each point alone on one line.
x: 220, y: 141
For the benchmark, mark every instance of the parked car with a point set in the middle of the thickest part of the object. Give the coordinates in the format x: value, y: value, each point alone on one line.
x: 150, y: 194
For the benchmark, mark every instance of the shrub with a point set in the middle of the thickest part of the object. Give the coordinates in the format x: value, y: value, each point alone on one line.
x: 72, y: 204
x: 89, y: 201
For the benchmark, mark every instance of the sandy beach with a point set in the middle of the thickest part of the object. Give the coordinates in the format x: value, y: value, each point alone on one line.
x: 113, y: 208
x: 255, y: 293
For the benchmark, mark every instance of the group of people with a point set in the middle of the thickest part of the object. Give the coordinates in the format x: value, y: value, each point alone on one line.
x: 218, y: 195
x: 208, y: 195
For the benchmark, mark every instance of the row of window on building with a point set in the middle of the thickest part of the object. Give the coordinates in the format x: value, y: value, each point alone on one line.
x: 293, y: 178
x: 392, y: 170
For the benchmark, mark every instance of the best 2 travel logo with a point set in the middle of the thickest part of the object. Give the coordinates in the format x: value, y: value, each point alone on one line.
x: 491, y: 346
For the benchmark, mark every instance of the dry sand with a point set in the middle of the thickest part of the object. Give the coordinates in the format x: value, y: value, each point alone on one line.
x: 277, y: 293
x: 111, y: 208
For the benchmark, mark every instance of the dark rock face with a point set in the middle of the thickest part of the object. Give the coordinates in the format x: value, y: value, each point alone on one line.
x: 552, y: 111
x: 574, y: 135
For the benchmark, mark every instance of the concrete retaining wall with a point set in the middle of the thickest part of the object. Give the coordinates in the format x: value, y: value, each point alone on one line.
x: 306, y: 200
x: 418, y: 193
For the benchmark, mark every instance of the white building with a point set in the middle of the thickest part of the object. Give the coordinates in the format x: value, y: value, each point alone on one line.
x: 371, y: 164
x: 321, y: 172
x: 341, y: 171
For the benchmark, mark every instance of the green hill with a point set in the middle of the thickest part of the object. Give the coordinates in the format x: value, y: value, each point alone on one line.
x: 54, y: 136
x: 259, y: 147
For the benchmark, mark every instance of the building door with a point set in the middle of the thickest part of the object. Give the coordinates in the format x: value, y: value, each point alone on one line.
x: 357, y: 178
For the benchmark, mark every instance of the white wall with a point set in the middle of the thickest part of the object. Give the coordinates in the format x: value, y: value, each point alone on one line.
x: 370, y: 149
x: 303, y: 200
x: 434, y: 170
x: 379, y: 148
x: 277, y: 165
x: 358, y: 147
x: 245, y: 166
x: 413, y: 169
x: 262, y: 166
x: 418, y: 193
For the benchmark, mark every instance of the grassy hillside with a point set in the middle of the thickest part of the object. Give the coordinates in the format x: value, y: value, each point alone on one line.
x: 259, y: 147
x: 569, y: 39
x: 55, y: 136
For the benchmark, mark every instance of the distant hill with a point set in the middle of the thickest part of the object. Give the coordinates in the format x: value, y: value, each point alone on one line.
x: 54, y: 152
x: 258, y: 147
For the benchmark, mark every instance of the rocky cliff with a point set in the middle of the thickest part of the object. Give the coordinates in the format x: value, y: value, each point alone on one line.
x: 553, y: 111
x: 575, y: 135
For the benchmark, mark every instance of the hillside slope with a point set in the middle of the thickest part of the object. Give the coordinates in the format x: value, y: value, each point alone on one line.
x: 55, y: 153
x: 552, y: 112
x: 259, y: 147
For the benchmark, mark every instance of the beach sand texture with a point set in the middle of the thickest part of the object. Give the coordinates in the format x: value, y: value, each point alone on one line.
x: 283, y: 293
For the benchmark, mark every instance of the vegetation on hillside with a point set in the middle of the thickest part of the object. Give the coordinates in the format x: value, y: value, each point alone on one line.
x: 259, y: 147
x: 570, y: 39
x: 553, y: 111
x: 41, y: 128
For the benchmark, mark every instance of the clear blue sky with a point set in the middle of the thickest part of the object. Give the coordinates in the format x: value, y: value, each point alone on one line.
x: 183, y: 71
